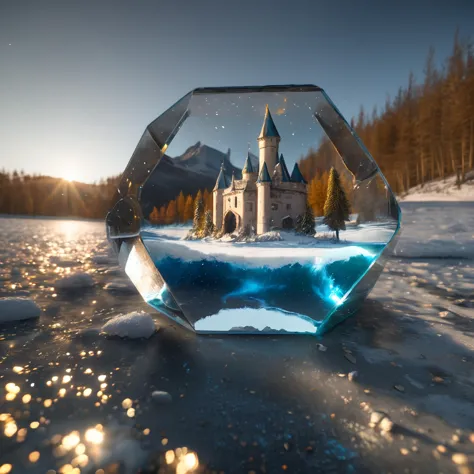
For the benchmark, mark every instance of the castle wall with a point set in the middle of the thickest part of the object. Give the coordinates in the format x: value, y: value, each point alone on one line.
x: 286, y: 203
x: 217, y: 208
x: 250, y: 210
x: 249, y: 176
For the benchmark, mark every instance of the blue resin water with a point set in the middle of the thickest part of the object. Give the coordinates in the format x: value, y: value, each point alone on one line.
x: 305, y: 291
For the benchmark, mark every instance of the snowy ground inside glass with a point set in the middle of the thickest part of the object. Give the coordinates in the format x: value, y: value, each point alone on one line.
x: 290, y: 247
x: 238, y: 403
x: 233, y: 278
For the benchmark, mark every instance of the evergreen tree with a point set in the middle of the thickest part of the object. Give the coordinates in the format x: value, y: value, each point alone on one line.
x: 299, y: 220
x: 208, y: 227
x: 336, y: 207
x: 188, y: 209
x: 180, y: 204
x: 162, y: 215
x: 198, y: 213
x: 205, y: 198
x: 154, y: 216
x: 171, y: 214
x: 317, y: 193
x: 307, y: 225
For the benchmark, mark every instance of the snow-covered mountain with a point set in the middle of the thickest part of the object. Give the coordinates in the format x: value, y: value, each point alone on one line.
x: 442, y: 190
x: 207, y: 160
x: 197, y: 168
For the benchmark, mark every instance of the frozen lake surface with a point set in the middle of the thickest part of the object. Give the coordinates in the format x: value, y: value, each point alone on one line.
x: 72, y: 398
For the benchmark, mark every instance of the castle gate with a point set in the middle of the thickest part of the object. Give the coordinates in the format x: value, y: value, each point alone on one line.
x: 287, y: 223
x: 230, y: 222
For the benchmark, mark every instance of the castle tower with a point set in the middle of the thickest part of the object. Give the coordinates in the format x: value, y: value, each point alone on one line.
x: 218, y: 201
x: 268, y: 141
x: 248, y: 171
x: 263, y: 200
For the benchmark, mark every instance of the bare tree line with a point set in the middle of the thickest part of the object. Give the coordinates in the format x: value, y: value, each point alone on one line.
x: 425, y: 132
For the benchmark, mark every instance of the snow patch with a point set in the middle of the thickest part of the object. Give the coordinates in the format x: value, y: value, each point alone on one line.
x: 133, y: 325
x: 248, y: 319
x: 441, y: 190
x: 436, y: 231
x: 18, y: 309
x: 162, y: 242
x: 77, y: 281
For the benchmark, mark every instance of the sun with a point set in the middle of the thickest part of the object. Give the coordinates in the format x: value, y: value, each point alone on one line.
x: 68, y: 176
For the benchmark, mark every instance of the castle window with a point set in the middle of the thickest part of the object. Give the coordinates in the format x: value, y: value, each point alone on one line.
x: 274, y: 207
x: 235, y: 201
x: 288, y: 207
x: 249, y: 206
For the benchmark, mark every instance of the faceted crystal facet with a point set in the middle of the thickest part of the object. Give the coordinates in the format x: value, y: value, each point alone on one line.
x: 254, y: 210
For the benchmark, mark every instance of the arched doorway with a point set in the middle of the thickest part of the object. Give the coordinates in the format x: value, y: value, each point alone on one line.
x: 230, y: 223
x: 287, y: 223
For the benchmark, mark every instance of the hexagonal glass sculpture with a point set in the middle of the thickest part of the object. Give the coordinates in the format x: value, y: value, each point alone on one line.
x: 253, y: 210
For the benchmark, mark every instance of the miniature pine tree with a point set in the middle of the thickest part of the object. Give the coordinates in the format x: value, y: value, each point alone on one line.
x: 198, y: 212
x: 188, y: 209
x: 208, y: 227
x: 299, y: 220
x: 162, y: 215
x: 307, y: 221
x: 205, y: 198
x: 180, y: 203
x: 171, y: 212
x: 154, y: 216
x: 336, y: 207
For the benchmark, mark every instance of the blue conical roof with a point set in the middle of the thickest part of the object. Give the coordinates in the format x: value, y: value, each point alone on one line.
x: 248, y: 167
x: 296, y: 175
x: 285, y: 175
x: 264, y: 176
x: 268, y: 129
x: 221, y: 182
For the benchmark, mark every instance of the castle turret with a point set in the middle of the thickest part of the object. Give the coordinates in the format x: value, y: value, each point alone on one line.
x: 282, y: 171
x: 268, y: 141
x: 263, y: 200
x: 248, y: 171
x: 296, y: 176
x: 218, y: 201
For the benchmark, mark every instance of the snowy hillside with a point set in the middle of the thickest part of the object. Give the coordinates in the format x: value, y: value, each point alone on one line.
x: 442, y: 190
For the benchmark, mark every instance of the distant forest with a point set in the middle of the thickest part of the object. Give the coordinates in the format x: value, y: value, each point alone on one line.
x: 425, y: 132
x: 23, y: 194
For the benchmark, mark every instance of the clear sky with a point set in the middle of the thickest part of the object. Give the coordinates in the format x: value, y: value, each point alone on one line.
x: 80, y: 80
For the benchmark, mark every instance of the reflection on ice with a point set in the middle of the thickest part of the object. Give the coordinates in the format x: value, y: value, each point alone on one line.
x: 256, y: 319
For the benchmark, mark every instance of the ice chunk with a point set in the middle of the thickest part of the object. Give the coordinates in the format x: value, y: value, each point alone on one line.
x: 17, y: 309
x: 119, y: 285
x: 75, y: 282
x: 133, y: 325
x: 159, y: 396
x: 103, y: 259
